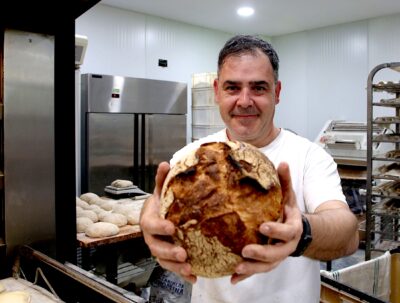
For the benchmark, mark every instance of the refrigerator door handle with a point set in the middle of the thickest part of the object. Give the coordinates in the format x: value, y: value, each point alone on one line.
x: 143, y: 155
x: 135, y: 172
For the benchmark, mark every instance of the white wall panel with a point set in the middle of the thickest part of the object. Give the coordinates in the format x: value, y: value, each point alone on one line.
x: 116, y: 41
x: 384, y: 40
x: 292, y: 112
x: 187, y: 48
x: 130, y: 44
x: 384, y: 47
x: 324, y: 77
x: 336, y: 75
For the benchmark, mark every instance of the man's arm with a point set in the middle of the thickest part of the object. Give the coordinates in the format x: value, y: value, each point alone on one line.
x: 334, y: 230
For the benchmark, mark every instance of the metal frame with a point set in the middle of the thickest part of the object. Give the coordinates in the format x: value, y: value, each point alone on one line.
x: 370, y: 216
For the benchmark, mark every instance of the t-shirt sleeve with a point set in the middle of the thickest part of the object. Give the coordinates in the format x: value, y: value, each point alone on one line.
x: 321, y: 179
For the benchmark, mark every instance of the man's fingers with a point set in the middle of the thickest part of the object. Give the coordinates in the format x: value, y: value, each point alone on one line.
x: 286, y: 184
x: 247, y: 269
x: 162, y: 171
x: 168, y: 251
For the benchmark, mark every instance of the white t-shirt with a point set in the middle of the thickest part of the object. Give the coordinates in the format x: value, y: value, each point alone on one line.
x: 315, y: 180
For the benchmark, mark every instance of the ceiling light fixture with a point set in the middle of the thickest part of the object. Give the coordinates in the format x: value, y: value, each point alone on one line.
x: 245, y: 11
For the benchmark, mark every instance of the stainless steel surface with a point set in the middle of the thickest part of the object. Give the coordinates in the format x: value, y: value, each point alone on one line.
x: 164, y: 132
x: 131, y: 125
x: 114, y: 94
x: 28, y: 138
x: 110, y: 149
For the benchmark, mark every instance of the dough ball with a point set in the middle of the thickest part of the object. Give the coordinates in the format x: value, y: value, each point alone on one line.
x: 108, y: 204
x: 217, y: 197
x: 102, y: 213
x: 82, y: 223
x: 102, y: 229
x: 117, y: 219
x: 126, y: 201
x: 99, y: 201
x: 89, y: 214
x: 122, y: 183
x: 123, y: 209
x: 139, y: 204
x: 94, y: 207
x: 79, y: 211
x: 81, y: 203
x: 88, y: 197
x: 133, y: 217
x: 15, y: 297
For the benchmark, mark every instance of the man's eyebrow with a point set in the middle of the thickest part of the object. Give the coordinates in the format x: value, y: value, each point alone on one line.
x: 261, y: 82
x: 231, y: 82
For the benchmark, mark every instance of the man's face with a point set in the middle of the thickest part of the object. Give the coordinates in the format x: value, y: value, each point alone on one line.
x: 246, y: 94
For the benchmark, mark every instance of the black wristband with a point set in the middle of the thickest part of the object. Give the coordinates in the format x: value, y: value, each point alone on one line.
x: 305, y: 239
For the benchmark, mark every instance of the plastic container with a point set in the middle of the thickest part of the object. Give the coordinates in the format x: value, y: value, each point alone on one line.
x: 203, y: 97
x: 202, y: 80
x: 206, y: 115
x: 199, y: 131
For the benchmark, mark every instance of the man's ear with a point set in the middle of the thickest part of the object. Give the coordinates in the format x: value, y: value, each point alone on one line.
x: 278, y: 87
x: 215, y: 85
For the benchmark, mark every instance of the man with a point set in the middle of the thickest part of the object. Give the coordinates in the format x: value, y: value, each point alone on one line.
x: 247, y: 90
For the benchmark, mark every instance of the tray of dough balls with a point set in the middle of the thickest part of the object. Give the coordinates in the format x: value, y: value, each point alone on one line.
x: 22, y: 291
x: 102, y: 220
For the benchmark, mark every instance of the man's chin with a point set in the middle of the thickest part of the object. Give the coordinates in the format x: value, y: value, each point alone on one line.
x: 240, y: 134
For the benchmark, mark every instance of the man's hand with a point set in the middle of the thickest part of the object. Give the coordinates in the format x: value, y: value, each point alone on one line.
x: 264, y: 258
x: 156, y: 231
x: 333, y: 225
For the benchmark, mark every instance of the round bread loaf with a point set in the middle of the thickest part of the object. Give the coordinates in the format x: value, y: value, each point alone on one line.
x: 217, y: 197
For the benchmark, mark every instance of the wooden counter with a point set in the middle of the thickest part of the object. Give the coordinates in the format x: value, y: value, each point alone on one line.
x: 126, y: 232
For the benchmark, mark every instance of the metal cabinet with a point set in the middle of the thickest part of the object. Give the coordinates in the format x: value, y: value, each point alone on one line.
x: 383, y: 167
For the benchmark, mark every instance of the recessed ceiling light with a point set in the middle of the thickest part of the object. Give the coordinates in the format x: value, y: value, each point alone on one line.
x: 245, y: 11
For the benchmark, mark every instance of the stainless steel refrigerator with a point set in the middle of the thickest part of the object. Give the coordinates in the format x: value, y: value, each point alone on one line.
x: 129, y: 125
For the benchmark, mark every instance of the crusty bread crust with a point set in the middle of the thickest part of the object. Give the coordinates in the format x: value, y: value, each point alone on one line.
x: 217, y: 197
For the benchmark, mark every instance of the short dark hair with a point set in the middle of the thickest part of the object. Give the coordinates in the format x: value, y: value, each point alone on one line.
x: 242, y: 44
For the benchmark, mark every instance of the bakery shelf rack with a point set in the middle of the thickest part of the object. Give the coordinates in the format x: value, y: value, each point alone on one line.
x: 383, y: 168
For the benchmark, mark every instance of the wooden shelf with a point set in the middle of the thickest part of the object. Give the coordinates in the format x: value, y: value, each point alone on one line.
x: 126, y: 233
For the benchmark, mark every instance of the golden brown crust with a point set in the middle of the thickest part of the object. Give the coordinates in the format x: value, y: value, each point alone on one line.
x: 217, y: 197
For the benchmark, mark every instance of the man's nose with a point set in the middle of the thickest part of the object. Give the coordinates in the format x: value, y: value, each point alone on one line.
x: 245, y: 99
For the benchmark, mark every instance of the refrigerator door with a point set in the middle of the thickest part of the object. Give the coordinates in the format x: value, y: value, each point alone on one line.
x: 164, y: 135
x: 110, y: 148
